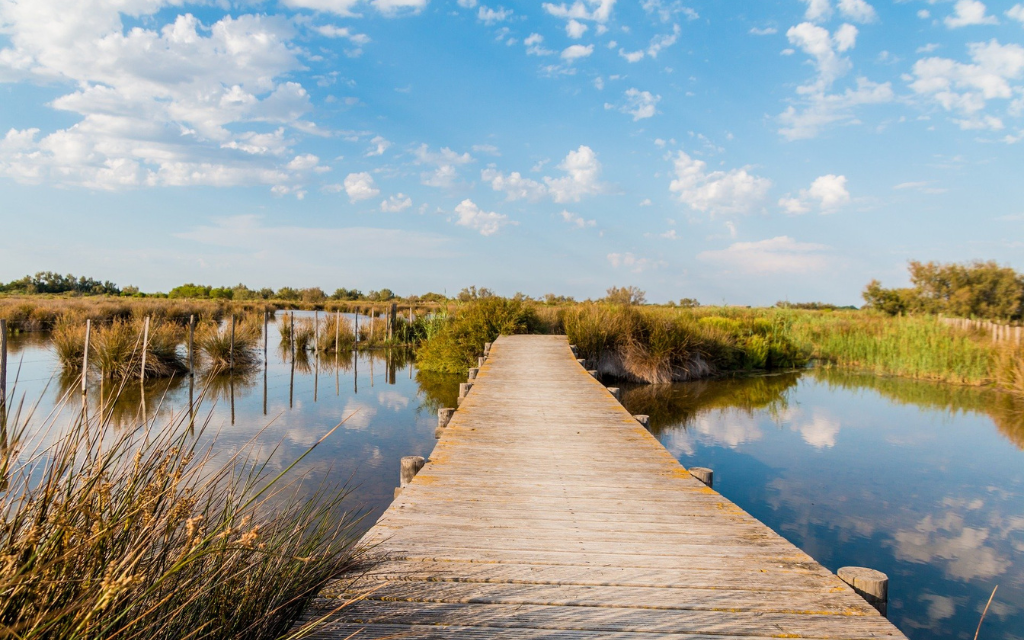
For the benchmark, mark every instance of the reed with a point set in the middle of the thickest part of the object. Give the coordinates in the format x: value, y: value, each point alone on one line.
x: 304, y: 332
x: 117, y: 350
x: 335, y: 335
x: 68, y: 340
x: 39, y: 313
x: 460, y: 339
x: 213, y: 342
x: 138, y: 533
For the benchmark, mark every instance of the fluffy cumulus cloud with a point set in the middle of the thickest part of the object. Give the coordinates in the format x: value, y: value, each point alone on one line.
x: 591, y: 10
x: 576, y: 220
x: 965, y: 89
x: 640, y: 104
x: 444, y: 162
x: 717, y: 192
x: 777, y: 255
x: 352, y: 8
x: 488, y: 223
x: 827, y: 193
x: 858, y: 11
x: 582, y: 172
x: 818, y: 106
x: 967, y: 13
x: 360, y: 186
x: 396, y: 203
x: 184, y: 103
x: 574, y: 52
x: 491, y: 16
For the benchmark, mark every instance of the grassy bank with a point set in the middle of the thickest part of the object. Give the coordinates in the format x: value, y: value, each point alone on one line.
x: 653, y: 344
x: 138, y: 534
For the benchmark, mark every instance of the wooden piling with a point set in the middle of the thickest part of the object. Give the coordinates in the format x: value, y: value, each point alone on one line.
x: 592, y: 372
x: 85, y: 357
x: 266, y: 332
x: 337, y: 334
x: 464, y: 388
x: 472, y: 373
x: 616, y: 392
x: 487, y: 348
x: 643, y: 420
x: 444, y: 416
x: 316, y: 331
x: 411, y: 465
x: 145, y: 348
x: 3, y: 365
x: 705, y: 475
x: 480, y: 361
x: 231, y: 352
x: 575, y: 350
x: 871, y: 585
x: 191, y: 346
x: 583, y: 363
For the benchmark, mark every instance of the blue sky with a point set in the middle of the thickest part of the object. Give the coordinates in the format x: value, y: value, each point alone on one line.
x: 732, y: 152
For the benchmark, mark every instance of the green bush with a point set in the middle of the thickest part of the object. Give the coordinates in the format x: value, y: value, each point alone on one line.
x: 457, y: 344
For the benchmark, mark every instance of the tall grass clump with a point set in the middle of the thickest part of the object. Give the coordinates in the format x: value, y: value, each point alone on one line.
x: 460, y: 340
x: 335, y: 335
x: 304, y: 332
x: 213, y: 341
x: 915, y: 346
x: 68, y: 340
x: 116, y: 350
x: 138, y: 533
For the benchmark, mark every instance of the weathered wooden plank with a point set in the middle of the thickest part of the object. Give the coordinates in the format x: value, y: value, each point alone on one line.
x: 547, y: 511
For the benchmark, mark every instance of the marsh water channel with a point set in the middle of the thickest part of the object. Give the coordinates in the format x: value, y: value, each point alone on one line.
x: 922, y: 481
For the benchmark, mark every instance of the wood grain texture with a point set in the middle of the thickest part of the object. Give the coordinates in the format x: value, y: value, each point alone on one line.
x: 547, y: 511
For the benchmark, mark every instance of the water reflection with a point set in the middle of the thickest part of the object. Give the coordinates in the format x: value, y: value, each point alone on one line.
x: 922, y: 481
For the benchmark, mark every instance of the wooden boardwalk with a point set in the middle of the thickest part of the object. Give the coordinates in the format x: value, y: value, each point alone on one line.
x: 547, y: 511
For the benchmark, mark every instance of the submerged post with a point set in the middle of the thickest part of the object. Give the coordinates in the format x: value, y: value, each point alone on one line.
x: 191, y: 349
x: 869, y: 584
x: 85, y: 357
x: 145, y: 347
x: 411, y: 465
x: 705, y: 475
x: 3, y: 365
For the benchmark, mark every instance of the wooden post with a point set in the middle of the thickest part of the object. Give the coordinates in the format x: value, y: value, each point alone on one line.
x: 316, y: 331
x: 575, y: 351
x: 411, y: 465
x: 231, y: 352
x: 487, y: 348
x: 583, y: 363
x: 616, y: 392
x: 337, y: 333
x: 3, y: 366
x: 145, y: 347
x: 373, y: 313
x: 191, y: 346
x: 480, y: 361
x: 472, y: 373
x: 869, y: 584
x: 266, y: 323
x: 444, y: 416
x: 85, y: 357
x: 705, y: 475
x: 464, y: 388
x: 592, y: 372
x: 643, y: 420
x: 356, y: 330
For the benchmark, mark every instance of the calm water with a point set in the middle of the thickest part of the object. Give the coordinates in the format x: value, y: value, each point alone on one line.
x: 924, y: 482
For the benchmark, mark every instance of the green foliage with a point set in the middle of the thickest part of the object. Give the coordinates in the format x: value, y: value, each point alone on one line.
x: 472, y: 293
x: 458, y: 342
x: 974, y: 290
x: 381, y: 296
x: 347, y: 294
x: 50, y: 282
x: 626, y: 296
x: 198, y: 291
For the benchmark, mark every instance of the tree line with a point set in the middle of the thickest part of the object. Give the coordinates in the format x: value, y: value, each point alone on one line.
x: 983, y: 290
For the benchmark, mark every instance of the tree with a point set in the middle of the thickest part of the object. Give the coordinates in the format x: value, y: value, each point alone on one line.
x: 313, y: 295
x: 347, y: 294
x: 977, y: 289
x: 472, y: 293
x: 688, y: 303
x: 626, y: 296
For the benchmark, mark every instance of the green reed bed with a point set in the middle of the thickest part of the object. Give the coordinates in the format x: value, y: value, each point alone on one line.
x: 115, y: 349
x: 335, y: 334
x: 140, y: 533
x: 39, y: 313
x: 458, y: 339
x: 221, y: 351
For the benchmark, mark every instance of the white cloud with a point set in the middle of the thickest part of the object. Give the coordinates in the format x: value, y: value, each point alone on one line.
x: 663, y: 41
x: 827, y: 192
x: 444, y: 174
x: 582, y: 176
x: 767, y: 31
x: 304, y: 162
x: 968, y: 13
x: 396, y: 203
x: 1016, y: 12
x: 818, y: 10
x: 595, y: 10
x: 631, y: 56
x: 577, y: 51
x: 360, y: 186
x: 486, y: 222
x: 392, y: 8
x: 467, y: 4
x: 380, y: 145
x: 491, y: 16
x: 169, y: 105
x: 640, y: 104
x: 646, y: 202
x: 633, y: 263
x: 815, y: 41
x: 575, y: 29
x: 576, y: 220
x: 718, y: 192
x: 515, y: 186
x: 781, y: 254
x: 347, y: 8
x: 858, y: 11
x: 332, y: 31
x: 535, y: 45
x: 924, y: 14
x: 966, y: 88
x: 489, y: 149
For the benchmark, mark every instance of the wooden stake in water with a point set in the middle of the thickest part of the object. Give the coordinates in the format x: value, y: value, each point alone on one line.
x: 291, y: 384
x: 266, y: 321
x: 231, y: 353
x: 3, y: 365
x: 191, y: 347
x: 316, y: 331
x: 373, y: 313
x: 357, y: 327
x: 145, y: 348
x: 337, y: 333
x: 85, y: 357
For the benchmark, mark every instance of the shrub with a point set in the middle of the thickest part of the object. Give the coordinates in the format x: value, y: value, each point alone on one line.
x: 461, y: 339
